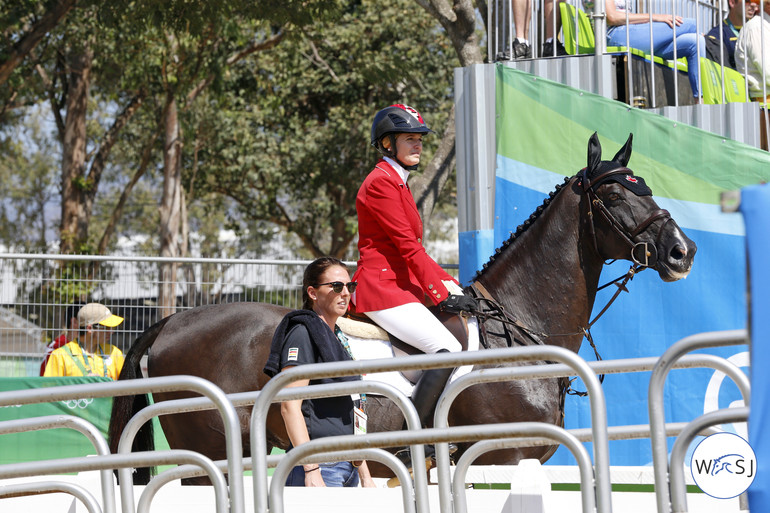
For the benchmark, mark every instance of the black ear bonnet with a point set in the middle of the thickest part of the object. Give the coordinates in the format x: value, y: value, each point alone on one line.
x: 600, y: 171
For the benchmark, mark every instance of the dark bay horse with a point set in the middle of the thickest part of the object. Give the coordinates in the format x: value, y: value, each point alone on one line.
x: 545, y: 277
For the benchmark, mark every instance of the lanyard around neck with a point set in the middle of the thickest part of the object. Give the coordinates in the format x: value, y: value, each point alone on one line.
x: 84, y: 367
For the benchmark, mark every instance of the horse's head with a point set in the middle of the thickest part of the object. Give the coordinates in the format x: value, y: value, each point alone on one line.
x: 625, y: 222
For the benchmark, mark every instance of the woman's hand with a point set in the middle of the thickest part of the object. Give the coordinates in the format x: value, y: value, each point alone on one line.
x: 668, y: 19
x: 313, y: 478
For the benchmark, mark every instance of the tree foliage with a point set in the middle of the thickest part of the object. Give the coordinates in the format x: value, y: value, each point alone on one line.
x: 289, y: 139
x: 273, y: 102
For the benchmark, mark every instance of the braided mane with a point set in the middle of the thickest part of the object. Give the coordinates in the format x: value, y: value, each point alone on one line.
x: 524, y: 226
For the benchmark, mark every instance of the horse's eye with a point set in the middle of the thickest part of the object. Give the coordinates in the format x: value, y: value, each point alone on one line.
x: 613, y: 197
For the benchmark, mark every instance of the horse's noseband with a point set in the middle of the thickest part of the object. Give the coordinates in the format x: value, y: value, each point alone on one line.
x: 641, y: 253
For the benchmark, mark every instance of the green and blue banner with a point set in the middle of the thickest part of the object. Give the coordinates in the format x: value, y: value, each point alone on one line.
x: 542, y: 134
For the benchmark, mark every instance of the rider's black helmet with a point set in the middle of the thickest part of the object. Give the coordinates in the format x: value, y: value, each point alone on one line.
x: 396, y: 119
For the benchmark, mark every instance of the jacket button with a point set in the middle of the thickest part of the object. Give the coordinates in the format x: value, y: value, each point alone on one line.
x: 430, y: 287
x: 384, y: 269
x: 438, y: 296
x: 419, y: 239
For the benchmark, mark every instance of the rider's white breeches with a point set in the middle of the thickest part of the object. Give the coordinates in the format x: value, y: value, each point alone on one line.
x: 417, y: 326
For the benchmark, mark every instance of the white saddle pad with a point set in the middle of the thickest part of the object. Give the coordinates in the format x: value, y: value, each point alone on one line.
x: 370, y: 344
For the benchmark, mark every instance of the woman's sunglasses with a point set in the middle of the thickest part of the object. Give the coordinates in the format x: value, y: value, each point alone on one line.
x: 337, y: 286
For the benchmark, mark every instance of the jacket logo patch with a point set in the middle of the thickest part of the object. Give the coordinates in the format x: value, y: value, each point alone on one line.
x: 293, y: 354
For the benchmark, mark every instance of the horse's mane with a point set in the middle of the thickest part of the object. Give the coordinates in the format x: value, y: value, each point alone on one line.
x: 523, y: 226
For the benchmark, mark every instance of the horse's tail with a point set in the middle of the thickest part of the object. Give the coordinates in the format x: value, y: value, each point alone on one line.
x: 125, y: 407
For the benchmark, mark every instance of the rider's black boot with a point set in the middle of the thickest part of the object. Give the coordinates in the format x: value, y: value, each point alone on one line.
x: 424, y: 397
x: 427, y: 391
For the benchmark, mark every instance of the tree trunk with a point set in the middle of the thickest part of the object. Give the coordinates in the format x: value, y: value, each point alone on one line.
x: 170, y: 208
x: 75, y: 205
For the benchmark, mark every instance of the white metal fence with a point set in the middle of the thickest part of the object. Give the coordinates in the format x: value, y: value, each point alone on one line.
x: 35, y: 291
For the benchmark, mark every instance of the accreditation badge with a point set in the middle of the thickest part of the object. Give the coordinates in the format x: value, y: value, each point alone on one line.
x: 359, y: 421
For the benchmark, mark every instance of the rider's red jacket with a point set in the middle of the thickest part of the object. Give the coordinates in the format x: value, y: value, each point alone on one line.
x: 393, y: 267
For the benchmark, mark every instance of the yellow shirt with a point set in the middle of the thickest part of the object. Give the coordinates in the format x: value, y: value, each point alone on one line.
x: 107, y: 362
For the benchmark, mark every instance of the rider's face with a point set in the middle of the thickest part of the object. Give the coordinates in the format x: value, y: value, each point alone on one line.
x: 409, y: 148
x: 328, y: 304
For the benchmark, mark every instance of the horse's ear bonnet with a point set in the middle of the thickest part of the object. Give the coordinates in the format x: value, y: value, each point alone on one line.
x: 598, y: 168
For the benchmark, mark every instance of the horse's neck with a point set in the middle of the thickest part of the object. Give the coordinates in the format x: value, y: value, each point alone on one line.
x: 547, y: 278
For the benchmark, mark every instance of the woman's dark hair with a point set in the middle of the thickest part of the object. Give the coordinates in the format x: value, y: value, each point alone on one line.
x: 313, y: 274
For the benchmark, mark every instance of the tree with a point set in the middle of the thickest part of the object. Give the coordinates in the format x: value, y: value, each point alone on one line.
x: 25, y: 24
x: 289, y: 141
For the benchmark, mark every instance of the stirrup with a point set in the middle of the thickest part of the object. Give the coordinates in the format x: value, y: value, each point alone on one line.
x: 405, y: 456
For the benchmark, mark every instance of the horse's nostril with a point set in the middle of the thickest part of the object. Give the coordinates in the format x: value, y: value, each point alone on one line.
x: 678, y: 252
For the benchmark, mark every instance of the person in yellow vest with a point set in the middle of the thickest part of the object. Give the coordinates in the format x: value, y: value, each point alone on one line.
x: 90, y: 354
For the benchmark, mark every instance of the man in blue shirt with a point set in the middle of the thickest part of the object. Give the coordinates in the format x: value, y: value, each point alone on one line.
x: 729, y: 29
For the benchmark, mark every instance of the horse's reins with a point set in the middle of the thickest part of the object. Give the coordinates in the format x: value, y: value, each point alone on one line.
x: 647, y: 259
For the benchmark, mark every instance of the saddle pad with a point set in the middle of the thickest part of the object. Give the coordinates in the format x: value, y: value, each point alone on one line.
x: 359, y: 329
x: 372, y: 348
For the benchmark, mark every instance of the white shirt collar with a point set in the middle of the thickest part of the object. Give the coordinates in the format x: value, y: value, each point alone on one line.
x: 403, y: 173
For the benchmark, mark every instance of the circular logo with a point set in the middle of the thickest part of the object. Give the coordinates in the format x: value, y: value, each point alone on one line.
x: 723, y: 465
x: 74, y: 404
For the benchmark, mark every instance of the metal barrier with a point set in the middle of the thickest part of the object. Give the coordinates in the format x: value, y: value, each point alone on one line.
x: 587, y: 485
x: 24, y: 489
x: 353, y: 442
x: 598, y: 415
x: 557, y: 370
x: 78, y: 424
x: 422, y: 362
x: 247, y: 399
x: 415, y: 436
x: 111, y: 461
x: 655, y: 400
x: 678, y: 487
x: 143, y: 386
x: 550, y: 370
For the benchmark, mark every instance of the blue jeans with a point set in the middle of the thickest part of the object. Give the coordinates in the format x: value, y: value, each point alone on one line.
x: 341, y: 473
x: 687, y: 43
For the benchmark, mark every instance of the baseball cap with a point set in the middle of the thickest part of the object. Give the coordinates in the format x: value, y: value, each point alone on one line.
x: 96, y: 313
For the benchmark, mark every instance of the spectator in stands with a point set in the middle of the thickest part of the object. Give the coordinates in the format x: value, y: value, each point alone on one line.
x: 70, y: 331
x: 688, y: 42
x: 311, y: 335
x: 90, y: 353
x: 549, y: 13
x: 739, y: 12
x: 753, y: 47
x: 522, y: 15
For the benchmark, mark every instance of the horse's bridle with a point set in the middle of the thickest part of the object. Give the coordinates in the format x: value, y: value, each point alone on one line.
x: 648, y: 259
x: 649, y: 254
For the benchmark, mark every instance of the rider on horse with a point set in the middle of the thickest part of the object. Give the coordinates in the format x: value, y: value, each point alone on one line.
x: 395, y: 274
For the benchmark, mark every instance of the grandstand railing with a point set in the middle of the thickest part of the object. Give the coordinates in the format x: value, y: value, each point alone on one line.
x: 707, y: 14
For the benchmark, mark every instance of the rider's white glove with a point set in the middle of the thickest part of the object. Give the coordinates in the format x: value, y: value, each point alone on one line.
x: 452, y: 287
